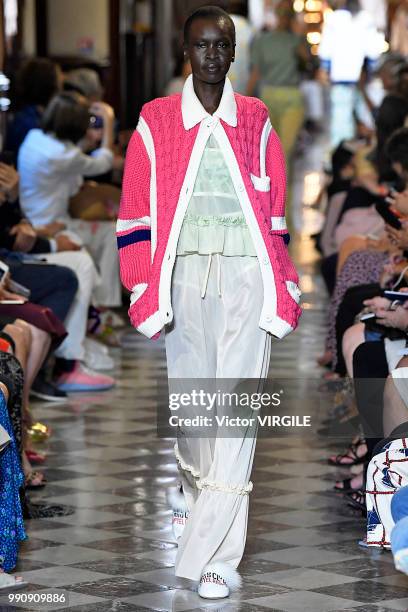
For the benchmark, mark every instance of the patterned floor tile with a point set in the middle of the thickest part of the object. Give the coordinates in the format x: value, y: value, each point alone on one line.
x: 303, y: 601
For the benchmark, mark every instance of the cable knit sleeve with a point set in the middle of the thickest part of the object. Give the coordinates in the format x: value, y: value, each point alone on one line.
x: 133, y: 226
x: 275, y: 169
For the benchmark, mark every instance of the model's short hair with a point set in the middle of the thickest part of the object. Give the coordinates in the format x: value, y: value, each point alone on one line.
x: 67, y: 117
x: 37, y: 82
x: 397, y: 147
x: 207, y: 12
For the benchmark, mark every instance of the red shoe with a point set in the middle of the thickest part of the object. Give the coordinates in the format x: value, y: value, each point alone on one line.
x: 35, y: 457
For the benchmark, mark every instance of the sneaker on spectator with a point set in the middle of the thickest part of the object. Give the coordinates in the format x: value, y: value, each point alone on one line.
x: 97, y: 355
x: 81, y: 378
x: 42, y: 389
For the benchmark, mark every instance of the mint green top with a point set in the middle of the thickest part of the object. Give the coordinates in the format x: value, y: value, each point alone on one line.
x: 214, y: 221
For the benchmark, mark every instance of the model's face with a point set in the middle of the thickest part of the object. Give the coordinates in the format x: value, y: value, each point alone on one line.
x: 210, y: 49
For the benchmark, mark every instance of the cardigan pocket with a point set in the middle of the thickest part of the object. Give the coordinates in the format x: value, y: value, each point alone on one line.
x: 261, y: 183
x: 294, y: 291
x: 262, y: 189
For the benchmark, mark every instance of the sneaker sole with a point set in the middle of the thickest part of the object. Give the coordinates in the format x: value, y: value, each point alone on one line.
x: 48, y: 398
x: 83, y: 388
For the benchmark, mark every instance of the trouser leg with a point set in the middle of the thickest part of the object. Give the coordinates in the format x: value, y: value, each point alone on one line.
x: 216, y: 337
x: 342, y: 98
x: 100, y: 240
x: 76, y: 321
x: 51, y: 286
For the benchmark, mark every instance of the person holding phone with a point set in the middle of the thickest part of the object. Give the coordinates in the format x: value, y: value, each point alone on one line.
x: 52, y: 166
x: 202, y: 240
x: 65, y: 285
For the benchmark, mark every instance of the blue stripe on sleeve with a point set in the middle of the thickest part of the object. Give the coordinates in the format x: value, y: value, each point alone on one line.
x: 136, y: 236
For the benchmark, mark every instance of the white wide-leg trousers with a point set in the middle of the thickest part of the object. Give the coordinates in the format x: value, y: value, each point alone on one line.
x: 216, y: 337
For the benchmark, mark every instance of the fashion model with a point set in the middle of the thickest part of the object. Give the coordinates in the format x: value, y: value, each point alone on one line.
x: 203, y: 248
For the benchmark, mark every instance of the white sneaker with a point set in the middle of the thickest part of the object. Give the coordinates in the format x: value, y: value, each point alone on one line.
x: 97, y: 355
x: 180, y: 513
x: 218, y: 580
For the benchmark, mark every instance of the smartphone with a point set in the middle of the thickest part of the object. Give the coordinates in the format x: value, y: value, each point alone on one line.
x: 388, y: 215
x: 20, y: 289
x: 399, y: 296
x: 3, y: 271
x: 95, y: 122
x: 367, y: 316
x: 12, y: 302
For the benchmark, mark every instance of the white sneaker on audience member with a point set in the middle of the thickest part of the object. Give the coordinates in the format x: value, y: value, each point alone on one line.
x: 180, y: 513
x: 218, y: 580
x: 97, y: 355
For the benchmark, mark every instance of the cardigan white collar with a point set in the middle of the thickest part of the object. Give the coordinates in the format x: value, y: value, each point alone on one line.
x: 193, y: 111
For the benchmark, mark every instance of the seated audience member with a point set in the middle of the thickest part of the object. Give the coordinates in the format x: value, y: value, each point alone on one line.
x: 342, y: 174
x: 31, y: 331
x: 52, y: 167
x: 12, y: 378
x: 18, y: 235
x: 387, y: 473
x: 370, y: 350
x: 11, y: 480
x: 366, y: 264
x: 36, y: 83
x: 387, y: 76
x: 86, y: 82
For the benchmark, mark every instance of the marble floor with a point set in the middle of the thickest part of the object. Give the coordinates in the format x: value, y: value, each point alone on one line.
x: 116, y: 552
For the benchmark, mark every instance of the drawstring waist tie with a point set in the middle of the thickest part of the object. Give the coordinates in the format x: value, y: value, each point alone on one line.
x: 207, y: 275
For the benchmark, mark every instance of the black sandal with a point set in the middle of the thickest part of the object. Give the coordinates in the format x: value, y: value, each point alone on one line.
x: 350, y: 453
x: 357, y: 500
x: 346, y: 488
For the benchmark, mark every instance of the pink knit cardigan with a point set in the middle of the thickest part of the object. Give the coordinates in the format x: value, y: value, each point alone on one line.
x: 173, y: 145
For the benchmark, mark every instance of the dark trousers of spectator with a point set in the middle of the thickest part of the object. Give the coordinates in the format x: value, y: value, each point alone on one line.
x: 351, y: 305
x: 370, y: 369
x: 50, y: 285
x: 328, y: 269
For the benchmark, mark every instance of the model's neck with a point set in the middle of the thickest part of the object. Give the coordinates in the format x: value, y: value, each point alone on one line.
x: 209, y: 94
